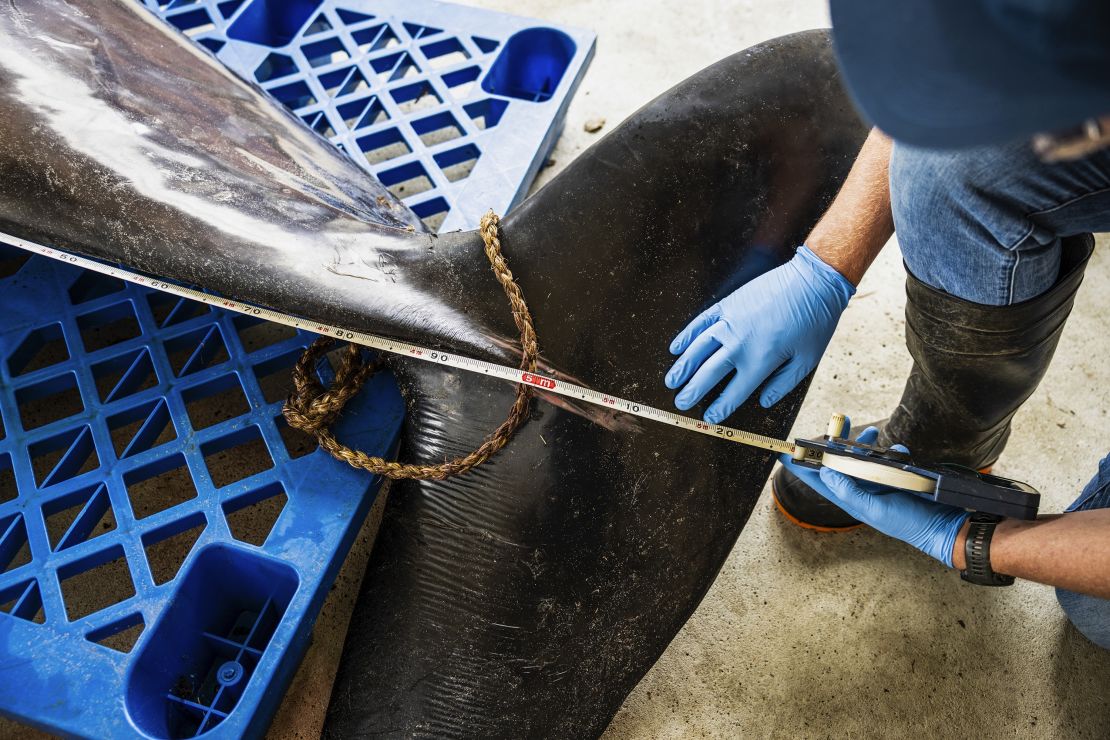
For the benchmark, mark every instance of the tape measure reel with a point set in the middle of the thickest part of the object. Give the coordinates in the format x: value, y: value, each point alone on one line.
x: 881, y: 474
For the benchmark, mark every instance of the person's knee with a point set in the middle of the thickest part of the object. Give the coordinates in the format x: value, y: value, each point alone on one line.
x: 924, y: 185
x: 966, y: 193
x: 961, y: 220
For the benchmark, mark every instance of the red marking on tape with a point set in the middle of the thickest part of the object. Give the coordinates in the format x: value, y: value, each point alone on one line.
x: 538, y: 380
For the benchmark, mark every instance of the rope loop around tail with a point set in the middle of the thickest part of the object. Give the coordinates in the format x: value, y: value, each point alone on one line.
x: 312, y: 408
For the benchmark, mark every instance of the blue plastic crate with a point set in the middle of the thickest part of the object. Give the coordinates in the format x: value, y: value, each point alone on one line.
x: 109, y: 391
x: 453, y: 108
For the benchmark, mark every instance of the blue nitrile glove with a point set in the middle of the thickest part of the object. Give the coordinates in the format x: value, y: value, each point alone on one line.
x: 927, y: 525
x: 781, y: 321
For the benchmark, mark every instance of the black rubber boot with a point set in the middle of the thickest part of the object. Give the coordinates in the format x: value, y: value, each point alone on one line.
x: 974, y: 366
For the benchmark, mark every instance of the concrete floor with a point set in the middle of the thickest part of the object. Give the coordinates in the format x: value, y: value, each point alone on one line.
x: 808, y: 635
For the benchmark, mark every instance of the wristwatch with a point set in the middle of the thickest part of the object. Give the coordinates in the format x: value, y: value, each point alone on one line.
x: 977, y: 551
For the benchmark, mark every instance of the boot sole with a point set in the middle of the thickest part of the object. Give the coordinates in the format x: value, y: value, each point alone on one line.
x: 806, y: 525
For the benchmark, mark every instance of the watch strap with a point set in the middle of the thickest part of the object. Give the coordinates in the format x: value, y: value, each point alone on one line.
x: 977, y: 552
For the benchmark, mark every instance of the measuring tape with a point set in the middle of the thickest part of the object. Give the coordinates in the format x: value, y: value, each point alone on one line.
x: 942, y: 483
x: 383, y: 344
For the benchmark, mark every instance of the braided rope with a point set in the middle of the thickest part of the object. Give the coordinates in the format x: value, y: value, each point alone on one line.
x: 313, y: 408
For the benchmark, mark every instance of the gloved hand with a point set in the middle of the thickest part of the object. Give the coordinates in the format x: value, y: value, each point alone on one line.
x: 927, y: 525
x: 778, y: 323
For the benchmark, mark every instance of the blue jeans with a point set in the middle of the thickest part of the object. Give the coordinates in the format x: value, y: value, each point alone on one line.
x: 1091, y: 616
x: 985, y: 225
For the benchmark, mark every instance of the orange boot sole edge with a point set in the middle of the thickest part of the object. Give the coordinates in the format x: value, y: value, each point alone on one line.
x: 806, y: 525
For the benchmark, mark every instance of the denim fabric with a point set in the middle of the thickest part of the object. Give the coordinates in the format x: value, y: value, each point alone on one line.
x: 1096, y: 494
x: 985, y: 224
x: 1090, y: 615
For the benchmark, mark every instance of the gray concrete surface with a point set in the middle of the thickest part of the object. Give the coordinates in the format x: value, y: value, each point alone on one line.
x: 855, y: 635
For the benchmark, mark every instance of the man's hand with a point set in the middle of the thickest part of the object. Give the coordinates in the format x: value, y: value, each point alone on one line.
x: 782, y: 320
x: 778, y: 323
x: 927, y: 525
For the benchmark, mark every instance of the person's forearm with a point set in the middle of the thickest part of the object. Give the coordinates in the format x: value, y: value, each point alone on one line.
x: 858, y: 223
x: 1071, y: 551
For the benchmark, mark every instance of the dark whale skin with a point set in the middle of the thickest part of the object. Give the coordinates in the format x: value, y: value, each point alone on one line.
x: 527, y: 598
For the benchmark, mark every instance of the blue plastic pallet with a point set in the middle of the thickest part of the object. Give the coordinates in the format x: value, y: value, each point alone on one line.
x: 454, y: 109
x: 109, y: 392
